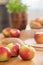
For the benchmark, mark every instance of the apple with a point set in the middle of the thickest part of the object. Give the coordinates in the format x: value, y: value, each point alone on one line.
x: 27, y: 53
x: 5, y: 53
x: 6, y: 31
x: 39, y: 37
x: 10, y: 46
x: 15, y: 33
x: 14, y: 49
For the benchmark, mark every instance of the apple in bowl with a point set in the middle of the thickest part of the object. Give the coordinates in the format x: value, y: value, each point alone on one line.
x: 39, y: 37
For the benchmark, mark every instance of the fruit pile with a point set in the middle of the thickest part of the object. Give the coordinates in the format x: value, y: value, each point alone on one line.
x: 10, y: 32
x: 25, y: 52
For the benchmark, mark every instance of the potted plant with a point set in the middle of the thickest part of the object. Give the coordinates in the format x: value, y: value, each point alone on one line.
x: 18, y: 14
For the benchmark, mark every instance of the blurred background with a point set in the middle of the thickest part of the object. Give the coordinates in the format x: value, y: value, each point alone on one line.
x: 35, y: 10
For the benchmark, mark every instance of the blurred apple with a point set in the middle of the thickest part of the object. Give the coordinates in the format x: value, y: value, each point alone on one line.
x: 5, y: 53
x: 14, y: 49
x: 27, y: 53
x: 6, y: 31
x: 15, y: 33
x: 10, y: 46
x: 39, y: 37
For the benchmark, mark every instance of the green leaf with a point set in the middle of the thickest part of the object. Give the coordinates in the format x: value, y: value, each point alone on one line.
x: 16, y: 7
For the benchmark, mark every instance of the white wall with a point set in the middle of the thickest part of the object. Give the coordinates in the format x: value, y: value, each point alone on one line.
x: 35, y: 10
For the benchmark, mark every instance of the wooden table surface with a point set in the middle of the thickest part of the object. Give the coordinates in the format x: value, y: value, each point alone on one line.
x: 37, y: 60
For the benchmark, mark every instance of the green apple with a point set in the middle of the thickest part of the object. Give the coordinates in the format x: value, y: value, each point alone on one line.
x: 10, y: 45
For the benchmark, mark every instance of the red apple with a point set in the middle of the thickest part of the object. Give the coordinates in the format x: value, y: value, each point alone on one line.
x: 27, y: 53
x: 5, y: 53
x: 14, y: 49
x: 15, y: 33
x: 39, y: 37
x: 6, y: 31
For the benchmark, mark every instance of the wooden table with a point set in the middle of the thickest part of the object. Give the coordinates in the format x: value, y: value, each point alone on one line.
x: 37, y: 60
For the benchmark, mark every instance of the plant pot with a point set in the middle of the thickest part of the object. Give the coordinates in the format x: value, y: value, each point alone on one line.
x: 18, y: 20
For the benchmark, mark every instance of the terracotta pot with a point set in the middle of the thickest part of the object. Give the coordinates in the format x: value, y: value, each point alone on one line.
x: 18, y: 20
